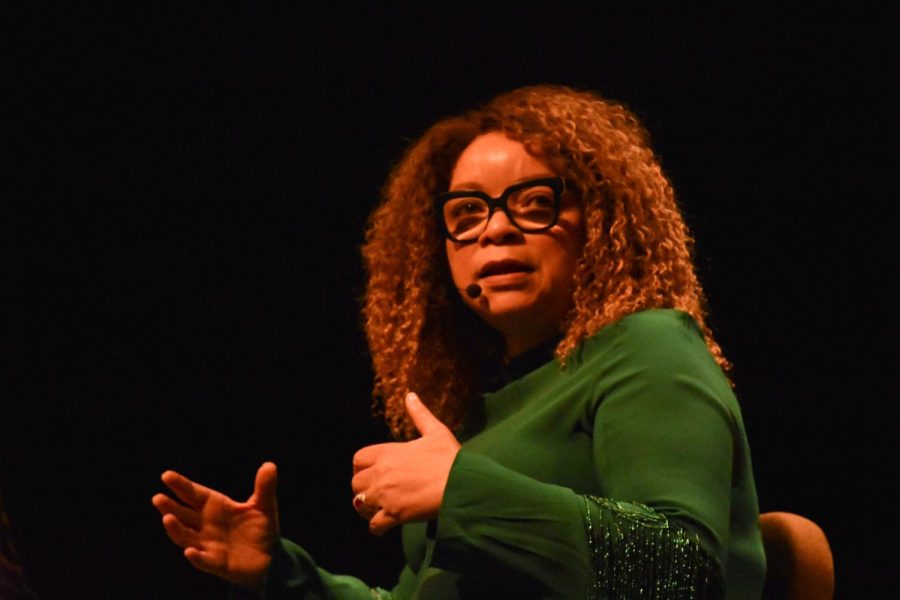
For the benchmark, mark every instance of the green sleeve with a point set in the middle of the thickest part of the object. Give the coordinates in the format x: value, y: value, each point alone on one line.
x: 495, y: 519
x: 664, y: 430
x: 662, y: 450
x: 294, y: 575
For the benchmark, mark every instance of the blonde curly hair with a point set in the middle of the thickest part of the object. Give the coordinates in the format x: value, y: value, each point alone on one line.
x: 636, y: 256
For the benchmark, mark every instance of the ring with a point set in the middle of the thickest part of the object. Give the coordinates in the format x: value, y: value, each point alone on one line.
x: 359, y: 501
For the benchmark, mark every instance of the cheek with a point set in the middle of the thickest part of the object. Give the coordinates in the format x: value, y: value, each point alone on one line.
x: 561, y: 264
x: 456, y: 262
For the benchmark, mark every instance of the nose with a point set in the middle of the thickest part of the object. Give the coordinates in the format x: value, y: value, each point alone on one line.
x: 499, y: 230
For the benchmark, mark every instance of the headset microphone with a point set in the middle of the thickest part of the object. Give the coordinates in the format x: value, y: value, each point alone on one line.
x: 473, y: 290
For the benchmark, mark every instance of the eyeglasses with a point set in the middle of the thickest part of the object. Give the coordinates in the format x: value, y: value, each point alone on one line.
x: 532, y: 206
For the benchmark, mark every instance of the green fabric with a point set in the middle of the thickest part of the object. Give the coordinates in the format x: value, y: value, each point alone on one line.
x: 640, y: 434
x: 638, y: 553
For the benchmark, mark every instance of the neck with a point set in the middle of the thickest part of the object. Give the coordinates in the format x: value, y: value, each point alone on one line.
x: 517, y: 344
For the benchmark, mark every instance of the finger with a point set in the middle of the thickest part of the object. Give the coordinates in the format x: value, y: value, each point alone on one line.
x: 364, y: 507
x: 264, y: 487
x: 421, y: 417
x: 382, y: 522
x: 366, y: 457
x: 362, y: 481
x: 202, y: 560
x: 192, y: 494
x: 166, y: 506
x: 178, y: 533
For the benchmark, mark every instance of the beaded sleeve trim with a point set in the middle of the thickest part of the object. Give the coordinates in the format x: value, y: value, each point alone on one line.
x: 637, y: 554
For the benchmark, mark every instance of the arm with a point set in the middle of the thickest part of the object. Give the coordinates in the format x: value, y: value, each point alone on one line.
x: 661, y: 437
x: 238, y: 542
x: 294, y: 575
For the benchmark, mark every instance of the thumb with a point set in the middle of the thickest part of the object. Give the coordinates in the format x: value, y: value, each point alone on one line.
x: 422, y: 418
x: 264, y: 487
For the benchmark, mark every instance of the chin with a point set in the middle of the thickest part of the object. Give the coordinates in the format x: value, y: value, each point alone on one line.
x: 510, y: 302
x: 521, y: 310
x: 507, y: 310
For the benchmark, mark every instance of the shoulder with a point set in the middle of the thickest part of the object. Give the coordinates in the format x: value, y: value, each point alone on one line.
x: 657, y: 321
x: 655, y: 332
x: 654, y: 351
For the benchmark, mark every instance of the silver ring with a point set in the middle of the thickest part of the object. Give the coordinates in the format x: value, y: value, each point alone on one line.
x: 365, y: 510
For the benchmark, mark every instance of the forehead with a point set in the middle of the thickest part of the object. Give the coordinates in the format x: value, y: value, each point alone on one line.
x: 493, y: 161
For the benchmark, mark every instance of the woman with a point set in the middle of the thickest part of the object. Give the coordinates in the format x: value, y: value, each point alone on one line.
x: 573, y: 434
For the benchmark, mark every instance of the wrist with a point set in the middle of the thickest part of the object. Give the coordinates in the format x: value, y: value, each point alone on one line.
x: 254, y: 580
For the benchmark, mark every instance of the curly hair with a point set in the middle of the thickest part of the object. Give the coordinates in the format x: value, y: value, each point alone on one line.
x: 636, y: 256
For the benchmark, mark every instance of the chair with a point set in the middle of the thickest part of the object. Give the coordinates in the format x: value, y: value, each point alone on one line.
x: 800, y: 565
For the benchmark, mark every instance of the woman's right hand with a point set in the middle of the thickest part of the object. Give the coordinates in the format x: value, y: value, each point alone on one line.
x: 232, y: 540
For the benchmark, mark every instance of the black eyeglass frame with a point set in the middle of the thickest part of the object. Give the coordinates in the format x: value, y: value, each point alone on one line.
x: 557, y: 184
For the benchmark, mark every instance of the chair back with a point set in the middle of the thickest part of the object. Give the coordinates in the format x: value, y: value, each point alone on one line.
x: 798, y: 557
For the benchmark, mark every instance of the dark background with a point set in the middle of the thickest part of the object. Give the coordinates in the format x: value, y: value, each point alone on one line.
x: 181, y: 273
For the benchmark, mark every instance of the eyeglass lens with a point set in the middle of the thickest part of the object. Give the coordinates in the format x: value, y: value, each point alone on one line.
x: 530, y: 209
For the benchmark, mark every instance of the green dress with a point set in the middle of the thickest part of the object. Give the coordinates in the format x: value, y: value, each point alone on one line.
x: 625, y: 475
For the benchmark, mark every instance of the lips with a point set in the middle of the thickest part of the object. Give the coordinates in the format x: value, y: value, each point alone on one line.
x: 503, y: 267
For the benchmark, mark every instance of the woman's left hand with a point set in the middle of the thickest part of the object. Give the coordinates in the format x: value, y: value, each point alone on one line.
x: 405, y: 481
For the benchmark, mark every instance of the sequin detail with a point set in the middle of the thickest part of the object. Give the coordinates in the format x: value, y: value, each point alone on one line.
x: 637, y: 554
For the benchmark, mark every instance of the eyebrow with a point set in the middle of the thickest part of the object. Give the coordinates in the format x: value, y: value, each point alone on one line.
x: 475, y: 186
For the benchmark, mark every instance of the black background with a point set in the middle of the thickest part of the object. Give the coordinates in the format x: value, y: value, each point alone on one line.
x: 180, y: 249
